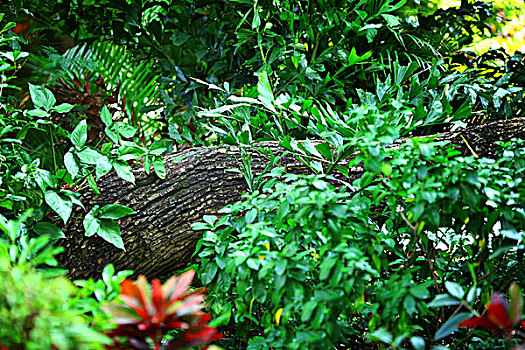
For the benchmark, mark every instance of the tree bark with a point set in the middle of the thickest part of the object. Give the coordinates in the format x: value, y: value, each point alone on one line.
x: 158, y: 237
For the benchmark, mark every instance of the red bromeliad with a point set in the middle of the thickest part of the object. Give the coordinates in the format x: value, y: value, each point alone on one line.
x: 150, y: 313
x: 500, y: 317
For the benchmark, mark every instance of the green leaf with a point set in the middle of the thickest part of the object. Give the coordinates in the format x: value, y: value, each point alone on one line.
x: 209, y: 273
x: 326, y: 268
x: 90, y: 223
x: 109, y: 230
x: 103, y: 166
x: 179, y: 38
x: 114, y: 211
x: 89, y: 156
x: 454, y: 289
x: 419, y: 291
x: 159, y: 167
x: 92, y: 184
x: 253, y: 263
x: 71, y: 164
x: 452, y: 325
x: 63, y: 207
x: 250, y: 216
x: 382, y: 334
x: 41, y: 97
x: 64, y: 108
x: 47, y: 228
x: 443, y: 300
x: 308, y: 310
x: 79, y: 134
x: 106, y: 117
x: 409, y: 304
x: 418, y: 343
x: 265, y: 91
x: 124, y: 171
x: 126, y: 130
x: 210, y: 219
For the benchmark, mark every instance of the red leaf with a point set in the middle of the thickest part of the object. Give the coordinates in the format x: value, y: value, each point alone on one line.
x: 481, y: 322
x: 498, y: 311
x: 157, y: 297
x: 175, y: 287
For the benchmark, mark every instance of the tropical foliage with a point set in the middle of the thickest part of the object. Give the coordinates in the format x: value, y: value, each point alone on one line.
x: 389, y: 238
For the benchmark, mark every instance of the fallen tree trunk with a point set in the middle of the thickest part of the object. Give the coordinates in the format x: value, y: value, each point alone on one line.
x: 158, y: 237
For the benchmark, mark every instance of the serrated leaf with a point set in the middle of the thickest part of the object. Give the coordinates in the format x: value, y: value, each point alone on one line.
x: 114, y: 211
x: 79, y: 134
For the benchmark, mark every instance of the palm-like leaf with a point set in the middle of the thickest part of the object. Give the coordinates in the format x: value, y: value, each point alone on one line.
x: 116, y: 65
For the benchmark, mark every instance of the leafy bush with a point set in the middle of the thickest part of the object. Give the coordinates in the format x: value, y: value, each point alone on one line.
x: 37, y: 312
x: 304, y: 263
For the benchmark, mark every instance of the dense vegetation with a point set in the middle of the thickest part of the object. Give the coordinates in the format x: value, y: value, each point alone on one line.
x: 383, y: 238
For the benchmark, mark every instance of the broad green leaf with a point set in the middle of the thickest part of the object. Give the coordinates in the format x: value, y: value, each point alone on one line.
x: 79, y: 134
x: 109, y: 230
x: 159, y: 167
x: 124, y: 171
x: 64, y: 108
x: 71, y: 164
x: 179, y: 38
x: 419, y: 291
x: 250, y: 216
x: 89, y: 156
x: 91, y: 225
x: 418, y: 343
x: 443, y: 300
x: 62, y: 206
x: 106, y: 117
x: 114, y: 211
x: 47, y: 228
x: 382, y: 334
x: 253, y: 263
x: 452, y: 325
x: 409, y: 304
x: 308, y: 310
x: 41, y: 97
x: 326, y: 268
x: 265, y: 91
x: 129, y: 152
x: 103, y: 166
x: 126, y: 130
x: 454, y: 289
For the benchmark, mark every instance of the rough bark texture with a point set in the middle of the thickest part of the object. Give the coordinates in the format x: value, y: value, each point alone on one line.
x: 158, y: 237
